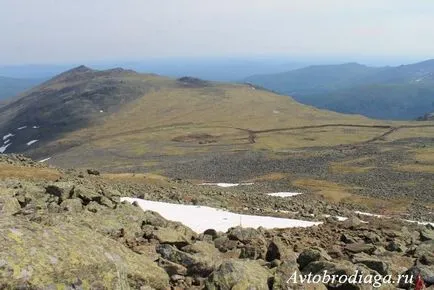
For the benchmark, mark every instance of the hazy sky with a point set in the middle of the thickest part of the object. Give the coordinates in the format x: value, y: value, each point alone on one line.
x: 48, y: 31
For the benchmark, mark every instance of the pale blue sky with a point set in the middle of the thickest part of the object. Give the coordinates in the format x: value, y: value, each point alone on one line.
x: 50, y: 31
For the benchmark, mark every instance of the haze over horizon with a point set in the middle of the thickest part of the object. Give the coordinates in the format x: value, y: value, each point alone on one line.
x: 49, y: 32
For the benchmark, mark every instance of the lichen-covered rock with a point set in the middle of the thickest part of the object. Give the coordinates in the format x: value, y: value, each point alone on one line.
x: 239, y: 274
x: 9, y: 205
x: 278, y: 250
x: 177, y: 235
x: 200, y: 264
x: 312, y: 255
x: 72, y: 205
x: 60, y: 190
x: 42, y: 256
x: 372, y: 263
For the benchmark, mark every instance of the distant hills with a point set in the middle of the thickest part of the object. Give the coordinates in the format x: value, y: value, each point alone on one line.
x: 405, y: 92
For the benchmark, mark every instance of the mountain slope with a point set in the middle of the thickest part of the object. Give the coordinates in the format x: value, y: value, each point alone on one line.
x: 403, y: 92
x: 72, y: 100
x: 118, y: 119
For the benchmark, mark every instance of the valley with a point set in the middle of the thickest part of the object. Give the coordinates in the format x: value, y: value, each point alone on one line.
x: 402, y: 92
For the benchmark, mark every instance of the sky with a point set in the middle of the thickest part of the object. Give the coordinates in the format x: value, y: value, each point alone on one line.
x: 66, y: 31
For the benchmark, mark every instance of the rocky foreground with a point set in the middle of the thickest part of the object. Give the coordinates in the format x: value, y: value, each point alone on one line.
x: 72, y: 232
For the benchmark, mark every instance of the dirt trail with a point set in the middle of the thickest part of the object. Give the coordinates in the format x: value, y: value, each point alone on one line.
x: 254, y: 133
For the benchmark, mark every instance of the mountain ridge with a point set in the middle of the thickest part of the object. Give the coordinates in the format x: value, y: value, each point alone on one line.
x: 82, y: 104
x: 376, y: 92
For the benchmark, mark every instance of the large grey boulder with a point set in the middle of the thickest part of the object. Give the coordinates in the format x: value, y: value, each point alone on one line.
x: 239, y: 274
x: 312, y: 255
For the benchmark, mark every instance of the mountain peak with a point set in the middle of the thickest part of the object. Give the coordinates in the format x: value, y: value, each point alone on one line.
x: 71, y: 74
x: 80, y: 69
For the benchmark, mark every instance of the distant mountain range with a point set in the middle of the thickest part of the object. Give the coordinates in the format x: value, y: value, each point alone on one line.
x: 403, y: 92
x: 215, y: 69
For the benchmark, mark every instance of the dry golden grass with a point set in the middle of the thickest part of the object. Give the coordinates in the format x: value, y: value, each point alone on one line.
x: 338, y: 193
x: 148, y: 125
x: 28, y: 173
x: 351, y: 166
x: 329, y: 190
x: 424, y: 168
x: 219, y: 111
x: 146, y: 178
x: 314, y: 137
x: 427, y: 132
x: 274, y: 176
x: 424, y: 155
x: 348, y: 169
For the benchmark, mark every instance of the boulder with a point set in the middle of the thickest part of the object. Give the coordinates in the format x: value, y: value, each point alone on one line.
x: 67, y: 256
x: 87, y: 195
x: 284, y: 278
x: 352, y: 223
x: 172, y: 268
x: 223, y: 244
x: 396, y: 246
x: 72, y: 205
x: 245, y: 235
x: 93, y: 172
x: 359, y: 248
x: 426, y: 235
x: 348, y: 239
x: 200, y: 265
x: 372, y: 263
x: 425, y: 253
x: 312, y: 255
x: 278, y: 250
x: 60, y: 190
x: 178, y: 235
x: 239, y: 274
x: 9, y: 206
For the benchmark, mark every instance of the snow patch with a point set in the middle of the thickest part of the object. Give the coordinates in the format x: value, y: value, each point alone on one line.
x: 7, y: 141
x: 213, y: 218
x: 32, y: 142
x: 420, y: 223
x: 21, y: 128
x: 284, y: 194
x: 8, y: 136
x: 35, y: 127
x: 3, y: 148
x: 101, y: 111
x: 222, y: 184
x: 276, y: 112
x: 43, y: 160
x: 339, y: 218
x: 369, y: 214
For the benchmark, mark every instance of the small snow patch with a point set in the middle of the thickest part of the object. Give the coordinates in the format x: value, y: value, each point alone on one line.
x: 284, y: 194
x: 3, y: 148
x: 8, y: 136
x: 21, y: 128
x: 7, y: 141
x: 32, y: 142
x: 276, y: 112
x: 101, y: 111
x: 222, y: 184
x: 339, y: 218
x: 35, y: 127
x: 369, y: 214
x: 213, y: 218
x: 44, y: 160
